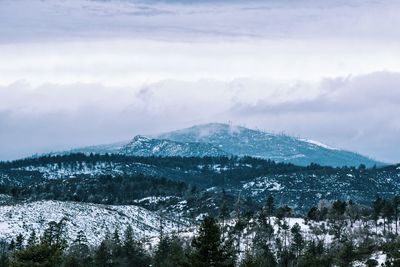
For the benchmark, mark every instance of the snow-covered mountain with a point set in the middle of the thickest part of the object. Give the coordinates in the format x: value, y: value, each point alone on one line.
x: 217, y: 139
x: 282, y: 148
x: 145, y: 146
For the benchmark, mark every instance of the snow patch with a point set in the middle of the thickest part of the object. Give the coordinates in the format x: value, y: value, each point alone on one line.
x: 318, y: 144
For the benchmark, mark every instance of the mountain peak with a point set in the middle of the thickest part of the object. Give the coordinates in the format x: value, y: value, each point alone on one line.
x: 140, y: 138
x: 241, y: 141
x: 201, y: 131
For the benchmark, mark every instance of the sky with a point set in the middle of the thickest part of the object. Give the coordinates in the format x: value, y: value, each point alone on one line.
x: 84, y: 72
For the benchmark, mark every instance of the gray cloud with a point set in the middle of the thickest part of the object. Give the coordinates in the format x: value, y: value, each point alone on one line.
x: 190, y: 20
x: 94, y: 74
x: 358, y: 113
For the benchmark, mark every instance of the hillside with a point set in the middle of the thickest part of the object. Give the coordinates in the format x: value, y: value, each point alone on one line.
x: 281, y: 148
x: 144, y: 146
x: 94, y: 220
x: 216, y: 139
x: 107, y: 176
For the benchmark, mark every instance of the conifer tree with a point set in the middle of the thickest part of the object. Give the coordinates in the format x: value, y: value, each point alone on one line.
x: 102, y: 257
x: 169, y: 253
x: 32, y: 239
x: 209, y: 249
x: 48, y: 253
x: 19, y: 242
x: 248, y: 260
x: 297, y: 239
x: 133, y: 250
x: 79, y: 252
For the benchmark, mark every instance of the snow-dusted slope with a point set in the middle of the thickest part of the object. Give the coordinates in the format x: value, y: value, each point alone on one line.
x: 94, y: 220
x: 216, y: 139
x: 243, y: 141
x: 100, y: 149
x: 144, y: 146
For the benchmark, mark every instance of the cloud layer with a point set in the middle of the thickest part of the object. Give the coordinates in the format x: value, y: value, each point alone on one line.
x: 82, y: 72
x: 358, y: 113
x: 198, y: 20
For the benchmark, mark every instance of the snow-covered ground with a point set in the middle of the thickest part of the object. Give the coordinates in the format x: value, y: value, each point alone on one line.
x: 95, y: 220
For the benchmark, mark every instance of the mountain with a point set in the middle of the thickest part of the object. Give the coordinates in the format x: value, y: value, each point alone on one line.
x: 242, y: 141
x: 145, y: 146
x: 217, y: 139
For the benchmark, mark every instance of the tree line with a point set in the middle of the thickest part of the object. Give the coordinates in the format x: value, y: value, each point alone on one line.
x: 339, y: 234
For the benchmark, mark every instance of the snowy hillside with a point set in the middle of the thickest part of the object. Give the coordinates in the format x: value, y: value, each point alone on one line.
x: 282, y: 148
x: 94, y: 220
x: 144, y: 146
x: 216, y: 139
x: 84, y: 175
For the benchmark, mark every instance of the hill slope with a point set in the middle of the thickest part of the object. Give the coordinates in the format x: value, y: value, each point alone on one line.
x: 282, y: 148
x: 94, y: 220
x: 144, y: 146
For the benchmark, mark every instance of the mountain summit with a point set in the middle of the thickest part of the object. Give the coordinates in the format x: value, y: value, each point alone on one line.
x: 218, y: 139
x: 242, y: 141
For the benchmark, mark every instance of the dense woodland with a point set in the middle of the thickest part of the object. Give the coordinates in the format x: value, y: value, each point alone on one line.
x: 186, y: 168
x: 119, y: 179
x: 103, y: 189
x: 265, y: 238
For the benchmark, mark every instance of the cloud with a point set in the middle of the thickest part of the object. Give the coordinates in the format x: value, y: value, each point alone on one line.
x: 84, y: 72
x: 197, y: 20
x: 357, y: 113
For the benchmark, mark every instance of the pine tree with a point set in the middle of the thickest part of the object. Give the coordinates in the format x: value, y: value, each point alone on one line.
x: 32, y: 240
x: 169, y: 253
x: 48, y: 253
x: 248, y: 260
x: 102, y: 257
x: 396, y: 211
x: 269, y: 208
x: 19, y: 242
x: 79, y: 252
x: 377, y: 206
x: 223, y: 213
x: 297, y: 239
x: 133, y: 251
x: 346, y: 255
x: 209, y: 249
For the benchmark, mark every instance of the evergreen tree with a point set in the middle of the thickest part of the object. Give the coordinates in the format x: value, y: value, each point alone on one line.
x: 248, y: 260
x: 269, y: 208
x: 133, y: 251
x: 209, y: 249
x: 169, y: 253
x: 32, y: 240
x: 297, y: 239
x: 19, y: 242
x: 102, y: 257
x: 79, y: 252
x: 223, y: 213
x: 48, y: 253
x: 314, y: 256
x: 346, y: 255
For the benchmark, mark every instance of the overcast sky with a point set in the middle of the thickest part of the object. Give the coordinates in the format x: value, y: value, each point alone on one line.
x: 80, y: 72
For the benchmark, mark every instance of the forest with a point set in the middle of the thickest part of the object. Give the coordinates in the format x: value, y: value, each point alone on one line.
x: 339, y: 234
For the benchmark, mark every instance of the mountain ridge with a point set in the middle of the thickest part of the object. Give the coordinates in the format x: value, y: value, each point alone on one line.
x: 218, y: 139
x: 243, y: 141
